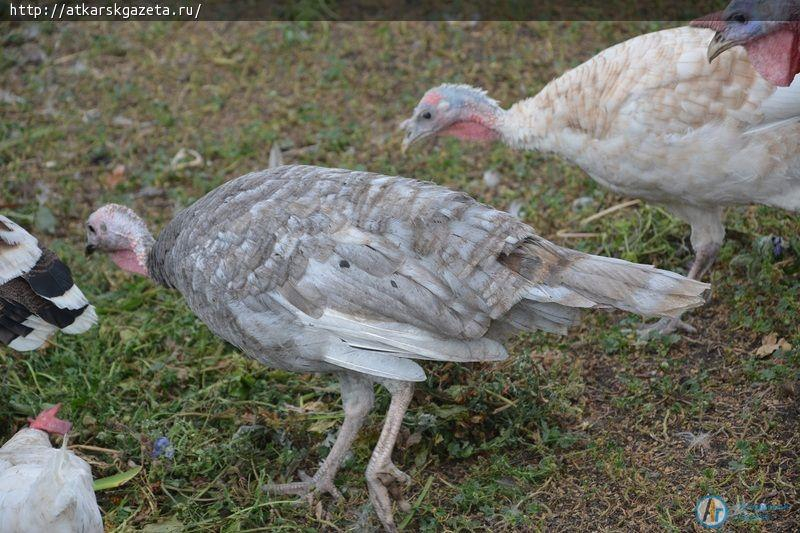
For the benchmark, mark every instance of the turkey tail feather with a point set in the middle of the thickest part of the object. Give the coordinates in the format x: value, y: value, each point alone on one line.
x: 576, y: 279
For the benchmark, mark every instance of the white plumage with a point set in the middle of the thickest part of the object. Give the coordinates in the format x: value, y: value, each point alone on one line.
x: 651, y: 118
x: 45, y: 489
x: 20, y: 253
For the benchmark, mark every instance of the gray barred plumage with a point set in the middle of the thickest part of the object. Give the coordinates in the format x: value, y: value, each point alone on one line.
x: 309, y: 268
x: 314, y: 269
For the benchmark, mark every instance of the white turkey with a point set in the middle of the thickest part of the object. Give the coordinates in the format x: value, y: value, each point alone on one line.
x: 37, y: 294
x: 310, y: 269
x: 650, y: 118
x: 45, y: 489
x: 769, y: 30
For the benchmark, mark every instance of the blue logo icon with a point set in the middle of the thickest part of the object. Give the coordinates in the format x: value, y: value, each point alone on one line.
x: 711, y: 511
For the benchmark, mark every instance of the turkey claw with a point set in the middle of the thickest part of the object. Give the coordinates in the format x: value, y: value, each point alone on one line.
x: 307, y: 487
x: 664, y: 326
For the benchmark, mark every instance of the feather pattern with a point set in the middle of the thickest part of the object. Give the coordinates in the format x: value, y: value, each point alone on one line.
x: 316, y: 269
x: 40, y: 297
x: 19, y: 250
x: 781, y: 108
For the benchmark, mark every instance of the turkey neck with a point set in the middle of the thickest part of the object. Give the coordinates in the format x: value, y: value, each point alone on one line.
x: 157, y: 268
x: 135, y: 259
x: 551, y: 120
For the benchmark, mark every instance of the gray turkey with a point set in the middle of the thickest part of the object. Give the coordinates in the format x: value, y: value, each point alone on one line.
x: 37, y: 294
x: 312, y: 269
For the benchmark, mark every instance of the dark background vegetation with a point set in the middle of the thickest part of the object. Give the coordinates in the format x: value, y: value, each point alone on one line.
x: 595, y: 430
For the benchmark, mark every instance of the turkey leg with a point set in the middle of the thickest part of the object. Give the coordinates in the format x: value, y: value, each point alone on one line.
x: 708, y: 234
x: 384, y: 480
x: 357, y: 399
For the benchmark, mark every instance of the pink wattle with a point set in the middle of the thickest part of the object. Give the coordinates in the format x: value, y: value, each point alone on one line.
x: 776, y: 56
x: 48, y: 421
x: 127, y: 260
x: 470, y: 131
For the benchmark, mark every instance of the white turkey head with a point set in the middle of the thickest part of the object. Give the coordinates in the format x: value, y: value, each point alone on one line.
x: 459, y: 111
x: 118, y: 231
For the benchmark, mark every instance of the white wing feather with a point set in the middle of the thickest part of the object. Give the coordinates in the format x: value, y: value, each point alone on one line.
x: 404, y: 340
x: 780, y: 109
x: 19, y: 250
x: 382, y: 365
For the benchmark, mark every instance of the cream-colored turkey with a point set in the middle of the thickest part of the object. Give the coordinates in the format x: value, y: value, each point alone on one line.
x: 45, y: 489
x: 650, y: 118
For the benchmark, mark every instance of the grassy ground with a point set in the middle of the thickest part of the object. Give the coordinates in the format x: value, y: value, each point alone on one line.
x: 588, y: 431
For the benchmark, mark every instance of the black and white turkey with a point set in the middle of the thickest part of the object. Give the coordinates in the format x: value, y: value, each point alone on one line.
x: 37, y: 294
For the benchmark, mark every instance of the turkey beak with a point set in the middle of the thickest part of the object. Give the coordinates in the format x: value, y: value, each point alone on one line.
x: 718, y: 45
x: 408, y: 139
x: 413, y: 135
x: 90, y: 249
x: 406, y: 143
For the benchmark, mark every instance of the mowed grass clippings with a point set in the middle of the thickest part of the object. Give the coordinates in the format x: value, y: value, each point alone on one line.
x: 592, y: 431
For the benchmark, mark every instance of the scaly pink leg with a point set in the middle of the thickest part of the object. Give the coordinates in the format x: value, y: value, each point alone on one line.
x: 357, y: 399
x: 384, y: 480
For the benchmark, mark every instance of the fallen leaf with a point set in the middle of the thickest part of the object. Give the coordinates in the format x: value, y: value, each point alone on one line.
x: 185, y: 158
x: 116, y: 177
x: 322, y: 425
x: 171, y: 525
x: 318, y: 510
x: 770, y: 344
x: 414, y: 438
x: 116, y: 480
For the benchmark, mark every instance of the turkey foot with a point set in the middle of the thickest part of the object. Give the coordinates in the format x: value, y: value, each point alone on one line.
x: 307, y: 487
x: 664, y: 326
x: 357, y: 398
x: 386, y: 483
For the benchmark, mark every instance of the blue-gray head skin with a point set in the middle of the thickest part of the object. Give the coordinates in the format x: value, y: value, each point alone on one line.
x: 768, y: 29
x: 745, y: 21
x: 460, y: 111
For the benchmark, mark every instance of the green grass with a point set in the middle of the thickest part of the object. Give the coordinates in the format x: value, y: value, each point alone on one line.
x: 571, y: 433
